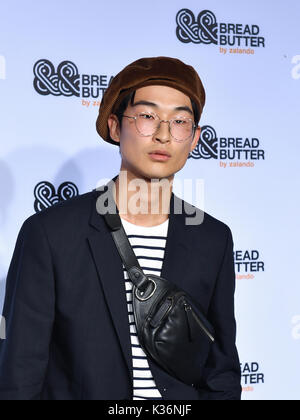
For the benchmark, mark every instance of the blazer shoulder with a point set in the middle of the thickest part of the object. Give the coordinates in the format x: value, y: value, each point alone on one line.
x: 218, y: 231
x: 215, y: 223
x: 208, y: 222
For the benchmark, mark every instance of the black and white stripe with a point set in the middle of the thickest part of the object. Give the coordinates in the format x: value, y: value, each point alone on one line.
x: 148, y: 244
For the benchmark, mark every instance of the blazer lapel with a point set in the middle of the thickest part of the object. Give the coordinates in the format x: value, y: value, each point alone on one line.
x: 177, y: 253
x: 110, y: 270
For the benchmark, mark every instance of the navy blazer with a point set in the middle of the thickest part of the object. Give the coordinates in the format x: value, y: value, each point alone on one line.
x: 67, y: 330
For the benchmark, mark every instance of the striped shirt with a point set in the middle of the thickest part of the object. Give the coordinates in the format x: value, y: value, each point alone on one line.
x: 148, y: 244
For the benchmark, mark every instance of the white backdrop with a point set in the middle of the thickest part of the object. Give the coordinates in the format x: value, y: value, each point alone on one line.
x: 56, y: 58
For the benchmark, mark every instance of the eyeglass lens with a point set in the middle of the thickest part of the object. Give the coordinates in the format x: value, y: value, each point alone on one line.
x: 181, y: 128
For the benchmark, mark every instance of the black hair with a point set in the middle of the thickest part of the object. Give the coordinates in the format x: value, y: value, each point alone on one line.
x: 123, y: 105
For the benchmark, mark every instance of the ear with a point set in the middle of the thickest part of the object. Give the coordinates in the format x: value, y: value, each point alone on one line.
x: 114, y: 127
x: 195, y: 139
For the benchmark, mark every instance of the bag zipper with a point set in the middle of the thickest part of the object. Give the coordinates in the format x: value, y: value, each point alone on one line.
x: 190, y: 313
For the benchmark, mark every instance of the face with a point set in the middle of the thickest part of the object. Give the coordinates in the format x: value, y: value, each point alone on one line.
x: 135, y: 149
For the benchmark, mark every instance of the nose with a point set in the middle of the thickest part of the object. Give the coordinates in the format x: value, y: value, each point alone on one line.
x: 163, y: 132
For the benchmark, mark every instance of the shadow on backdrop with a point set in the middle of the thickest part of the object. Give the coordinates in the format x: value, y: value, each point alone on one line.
x: 7, y: 190
x: 93, y: 165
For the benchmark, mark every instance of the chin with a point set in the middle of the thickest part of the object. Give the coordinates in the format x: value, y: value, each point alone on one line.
x: 161, y: 175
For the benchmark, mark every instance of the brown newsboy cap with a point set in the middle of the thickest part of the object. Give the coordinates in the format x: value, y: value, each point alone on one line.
x: 165, y: 71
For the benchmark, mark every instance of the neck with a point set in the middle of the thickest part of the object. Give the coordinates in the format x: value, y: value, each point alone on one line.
x: 143, y: 201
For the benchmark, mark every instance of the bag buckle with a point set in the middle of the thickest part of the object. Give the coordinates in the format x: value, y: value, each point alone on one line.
x: 141, y: 295
x: 141, y: 282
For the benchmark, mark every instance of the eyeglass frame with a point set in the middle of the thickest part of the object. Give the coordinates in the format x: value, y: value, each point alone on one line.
x: 158, y: 125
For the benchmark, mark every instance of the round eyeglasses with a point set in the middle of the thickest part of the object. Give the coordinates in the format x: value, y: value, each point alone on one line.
x: 147, y: 124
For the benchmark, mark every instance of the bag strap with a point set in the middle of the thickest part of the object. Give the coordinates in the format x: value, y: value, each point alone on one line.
x: 135, y: 272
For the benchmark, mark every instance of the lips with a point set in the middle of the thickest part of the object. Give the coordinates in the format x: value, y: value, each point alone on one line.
x: 160, y: 152
x: 159, y: 155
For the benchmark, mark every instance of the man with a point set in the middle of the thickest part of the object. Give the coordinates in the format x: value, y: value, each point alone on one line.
x: 70, y: 330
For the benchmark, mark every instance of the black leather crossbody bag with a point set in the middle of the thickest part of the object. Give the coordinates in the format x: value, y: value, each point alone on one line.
x: 171, y: 327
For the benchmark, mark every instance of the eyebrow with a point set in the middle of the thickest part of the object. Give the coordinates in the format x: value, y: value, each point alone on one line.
x: 154, y: 105
x: 184, y: 108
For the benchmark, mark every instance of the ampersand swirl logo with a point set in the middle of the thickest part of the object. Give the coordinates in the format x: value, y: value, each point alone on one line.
x: 204, y: 30
x: 207, y: 146
x: 64, y: 81
x: 232, y: 38
x: 234, y: 150
x: 46, y: 196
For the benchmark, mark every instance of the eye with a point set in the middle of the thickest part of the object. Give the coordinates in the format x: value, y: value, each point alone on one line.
x: 146, y: 116
x: 180, y: 122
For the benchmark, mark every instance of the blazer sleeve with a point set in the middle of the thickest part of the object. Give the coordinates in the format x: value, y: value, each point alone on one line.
x: 29, y: 314
x: 222, y: 375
